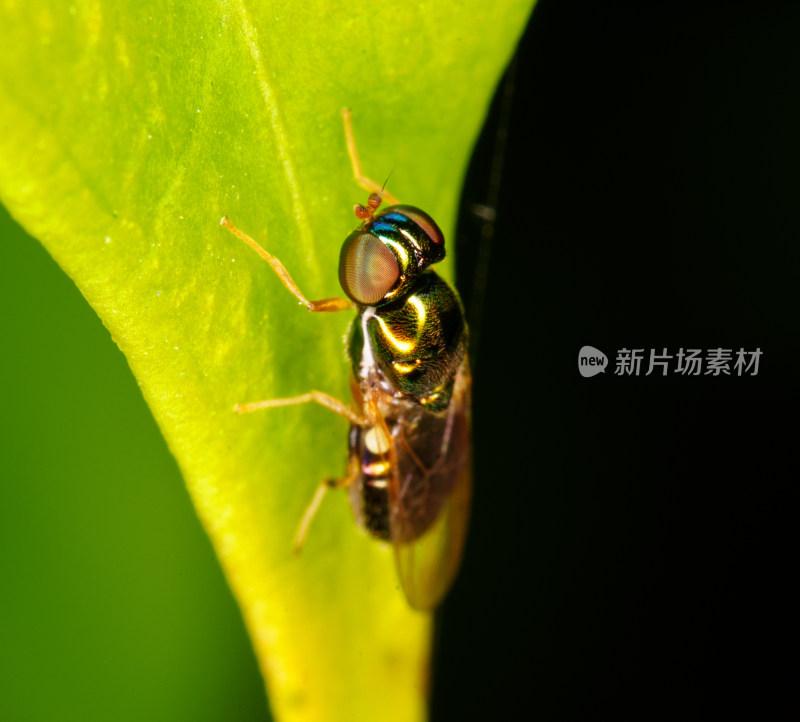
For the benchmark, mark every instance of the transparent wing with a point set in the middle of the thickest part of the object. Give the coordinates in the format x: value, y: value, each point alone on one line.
x: 429, y: 498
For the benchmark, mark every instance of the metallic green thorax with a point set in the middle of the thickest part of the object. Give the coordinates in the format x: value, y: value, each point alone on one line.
x: 418, y: 341
x: 417, y: 334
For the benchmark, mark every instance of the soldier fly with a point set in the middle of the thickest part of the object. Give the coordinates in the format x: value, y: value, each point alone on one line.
x: 410, y: 464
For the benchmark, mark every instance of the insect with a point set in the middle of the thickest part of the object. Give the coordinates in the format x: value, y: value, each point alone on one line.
x: 409, y: 473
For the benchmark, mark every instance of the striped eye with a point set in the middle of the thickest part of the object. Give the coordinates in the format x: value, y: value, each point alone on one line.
x: 368, y: 270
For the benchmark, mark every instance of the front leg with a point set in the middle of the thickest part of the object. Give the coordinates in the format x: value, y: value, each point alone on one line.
x: 325, y: 305
x: 363, y: 180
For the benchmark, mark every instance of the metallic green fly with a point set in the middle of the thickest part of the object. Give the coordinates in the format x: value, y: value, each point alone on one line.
x: 409, y: 474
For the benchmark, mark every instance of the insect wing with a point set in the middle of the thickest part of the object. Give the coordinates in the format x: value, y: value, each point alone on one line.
x: 430, y: 499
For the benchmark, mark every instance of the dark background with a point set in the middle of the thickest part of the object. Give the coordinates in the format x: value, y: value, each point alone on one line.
x: 633, y: 550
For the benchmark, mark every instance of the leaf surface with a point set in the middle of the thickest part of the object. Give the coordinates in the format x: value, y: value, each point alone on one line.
x: 128, y: 130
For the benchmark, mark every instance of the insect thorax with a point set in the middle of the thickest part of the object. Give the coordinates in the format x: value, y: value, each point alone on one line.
x: 415, y: 344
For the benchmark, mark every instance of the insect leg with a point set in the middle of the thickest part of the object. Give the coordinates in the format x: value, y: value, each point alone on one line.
x: 366, y: 183
x: 319, y: 397
x: 402, y: 439
x: 316, y: 501
x: 327, y: 304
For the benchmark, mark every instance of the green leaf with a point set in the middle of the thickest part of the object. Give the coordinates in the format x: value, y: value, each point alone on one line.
x: 127, y: 131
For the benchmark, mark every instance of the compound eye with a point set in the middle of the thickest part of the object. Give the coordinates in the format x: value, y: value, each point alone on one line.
x: 367, y: 268
x: 425, y: 222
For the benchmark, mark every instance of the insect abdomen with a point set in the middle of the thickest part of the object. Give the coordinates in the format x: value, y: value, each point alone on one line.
x: 370, y: 494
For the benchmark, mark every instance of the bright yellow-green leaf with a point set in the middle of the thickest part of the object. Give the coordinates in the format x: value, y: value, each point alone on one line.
x: 126, y: 131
